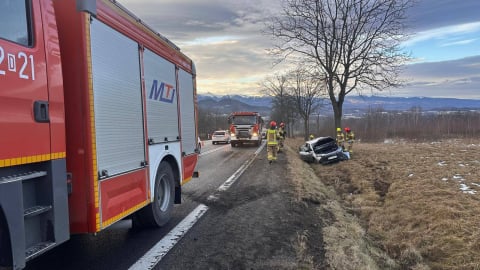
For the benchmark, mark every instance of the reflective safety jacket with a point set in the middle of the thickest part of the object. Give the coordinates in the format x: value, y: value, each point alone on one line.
x: 350, y: 137
x: 272, y: 137
x: 340, y: 138
x: 281, y: 133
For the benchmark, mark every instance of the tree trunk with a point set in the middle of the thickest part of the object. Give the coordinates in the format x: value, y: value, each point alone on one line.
x: 306, y: 126
x: 337, y: 113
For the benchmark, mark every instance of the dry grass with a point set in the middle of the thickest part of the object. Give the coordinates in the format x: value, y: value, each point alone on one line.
x: 409, y: 199
x: 305, y: 182
x: 304, y: 260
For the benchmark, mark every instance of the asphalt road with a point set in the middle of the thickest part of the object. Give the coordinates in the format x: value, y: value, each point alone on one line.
x: 119, y: 246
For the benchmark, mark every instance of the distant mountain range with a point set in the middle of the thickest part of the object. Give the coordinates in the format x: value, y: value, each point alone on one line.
x: 235, y: 103
x: 353, y: 104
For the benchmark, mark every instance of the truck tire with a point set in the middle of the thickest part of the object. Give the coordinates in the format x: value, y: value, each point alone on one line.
x: 159, y: 212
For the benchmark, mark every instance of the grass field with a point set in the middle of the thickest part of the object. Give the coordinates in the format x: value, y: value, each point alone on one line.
x: 398, y: 204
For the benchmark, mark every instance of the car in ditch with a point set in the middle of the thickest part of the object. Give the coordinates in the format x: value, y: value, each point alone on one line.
x: 323, y: 150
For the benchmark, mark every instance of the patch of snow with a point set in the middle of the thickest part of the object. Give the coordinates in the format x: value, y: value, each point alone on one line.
x: 461, y: 165
x: 410, y: 175
x: 389, y: 141
x: 444, y: 179
x: 475, y: 184
x: 458, y: 177
x: 442, y: 163
x: 466, y: 189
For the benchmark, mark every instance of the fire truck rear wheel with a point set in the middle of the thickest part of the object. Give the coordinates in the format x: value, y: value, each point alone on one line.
x: 159, y: 212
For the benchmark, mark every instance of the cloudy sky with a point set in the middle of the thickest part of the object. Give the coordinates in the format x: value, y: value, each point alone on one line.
x: 224, y: 38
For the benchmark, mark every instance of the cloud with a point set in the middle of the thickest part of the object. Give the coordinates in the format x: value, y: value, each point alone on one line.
x: 460, y: 42
x: 226, y: 67
x: 185, y: 20
x: 444, y: 32
x: 431, y: 14
x: 458, y: 78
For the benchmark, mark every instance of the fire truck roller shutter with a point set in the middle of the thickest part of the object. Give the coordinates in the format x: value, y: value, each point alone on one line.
x: 117, y: 100
x: 161, y: 95
x: 187, y: 112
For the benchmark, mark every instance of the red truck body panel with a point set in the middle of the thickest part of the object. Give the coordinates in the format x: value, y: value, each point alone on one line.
x: 62, y: 166
x: 32, y: 74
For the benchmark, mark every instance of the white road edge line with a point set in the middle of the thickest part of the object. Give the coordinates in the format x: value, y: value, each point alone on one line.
x: 227, y: 184
x: 157, y: 252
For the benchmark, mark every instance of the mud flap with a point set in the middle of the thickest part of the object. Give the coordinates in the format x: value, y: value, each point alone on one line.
x: 178, y: 195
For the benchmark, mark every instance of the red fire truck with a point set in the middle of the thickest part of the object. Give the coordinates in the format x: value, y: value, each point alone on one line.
x: 245, y: 127
x: 97, y: 123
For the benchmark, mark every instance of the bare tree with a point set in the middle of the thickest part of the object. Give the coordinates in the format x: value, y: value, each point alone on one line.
x: 306, y: 94
x: 354, y: 43
x: 276, y: 87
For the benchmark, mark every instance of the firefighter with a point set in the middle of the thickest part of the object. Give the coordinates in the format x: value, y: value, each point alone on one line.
x: 281, y: 135
x: 350, y: 139
x: 340, y: 138
x: 272, y: 144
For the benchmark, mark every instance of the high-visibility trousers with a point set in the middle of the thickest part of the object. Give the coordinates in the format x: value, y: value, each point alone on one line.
x: 272, y: 152
x: 349, y: 145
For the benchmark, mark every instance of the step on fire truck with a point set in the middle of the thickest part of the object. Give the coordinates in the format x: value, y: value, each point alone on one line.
x: 97, y: 123
x: 245, y: 128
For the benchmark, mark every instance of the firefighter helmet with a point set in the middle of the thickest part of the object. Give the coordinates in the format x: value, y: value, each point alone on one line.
x: 339, y: 129
x: 273, y: 124
x: 347, y: 129
x: 311, y: 137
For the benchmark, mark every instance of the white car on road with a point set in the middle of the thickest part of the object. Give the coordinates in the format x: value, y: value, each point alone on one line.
x: 220, y: 136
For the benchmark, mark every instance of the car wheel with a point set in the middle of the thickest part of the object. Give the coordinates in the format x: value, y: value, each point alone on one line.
x: 159, y: 212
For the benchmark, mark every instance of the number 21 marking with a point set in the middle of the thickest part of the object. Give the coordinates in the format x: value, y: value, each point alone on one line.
x: 27, y: 59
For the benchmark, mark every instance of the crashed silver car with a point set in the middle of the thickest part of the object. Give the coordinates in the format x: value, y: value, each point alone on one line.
x: 323, y: 150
